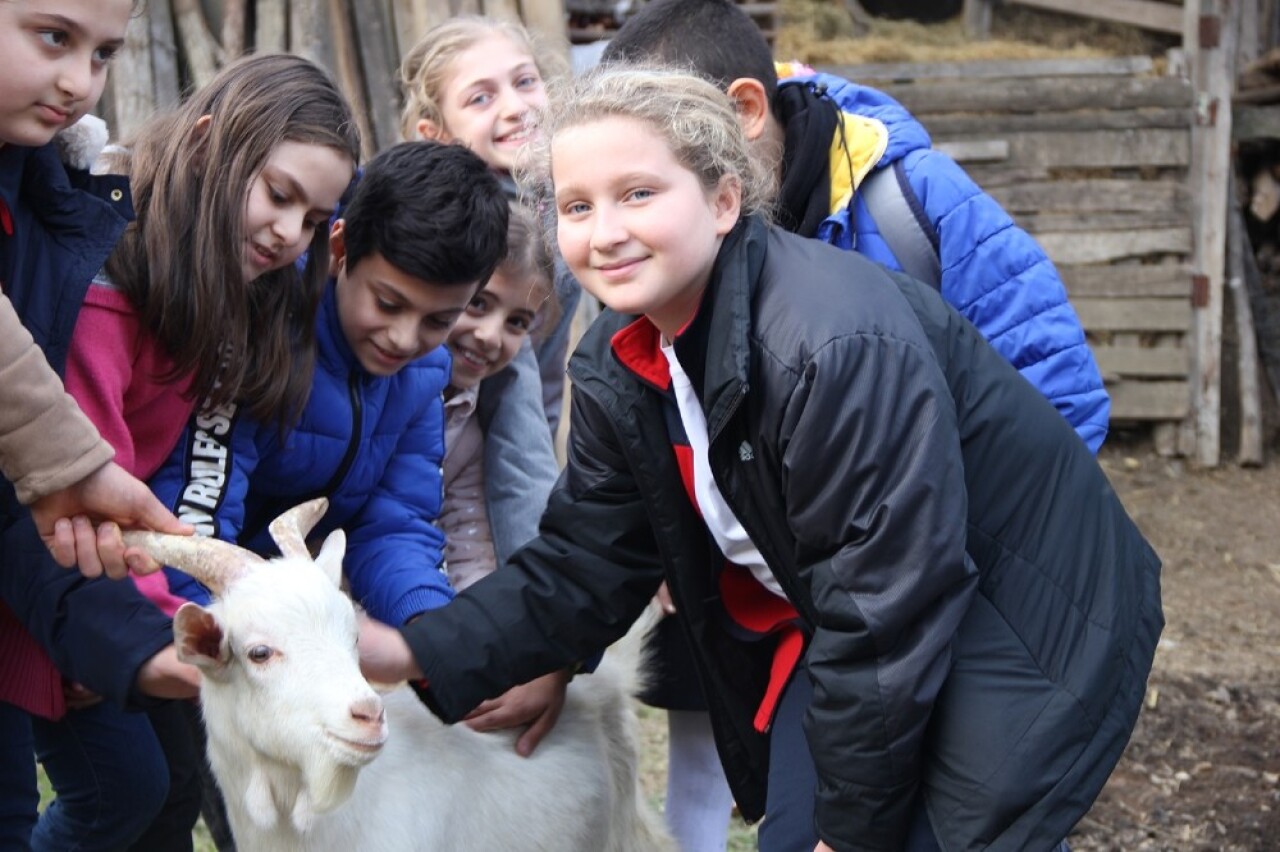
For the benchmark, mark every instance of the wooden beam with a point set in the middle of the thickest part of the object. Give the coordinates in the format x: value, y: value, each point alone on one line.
x: 164, y: 55
x: 1075, y: 121
x: 1139, y: 362
x: 1035, y: 95
x: 1159, y: 17
x: 1171, y: 281
x: 272, y: 26
x: 1108, y: 246
x: 1139, y: 400
x: 132, y: 82
x: 1149, y: 315
x: 198, y: 44
x: 977, y: 19
x: 1094, y: 195
x: 381, y: 65
x: 1111, y: 66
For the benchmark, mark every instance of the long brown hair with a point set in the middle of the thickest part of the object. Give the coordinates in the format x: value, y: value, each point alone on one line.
x: 180, y: 262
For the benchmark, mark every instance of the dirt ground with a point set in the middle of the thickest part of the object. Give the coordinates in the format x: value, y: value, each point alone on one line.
x: 1202, y: 771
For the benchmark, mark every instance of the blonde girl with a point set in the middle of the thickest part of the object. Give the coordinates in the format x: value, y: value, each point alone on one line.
x: 919, y: 612
x: 479, y: 82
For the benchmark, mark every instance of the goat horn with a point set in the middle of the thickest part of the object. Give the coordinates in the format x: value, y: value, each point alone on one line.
x: 215, y: 563
x: 289, y: 531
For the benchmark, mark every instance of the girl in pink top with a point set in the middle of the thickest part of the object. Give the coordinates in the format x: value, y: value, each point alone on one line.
x: 201, y: 302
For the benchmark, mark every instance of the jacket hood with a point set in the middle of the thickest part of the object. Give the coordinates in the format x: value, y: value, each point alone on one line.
x: 905, y: 133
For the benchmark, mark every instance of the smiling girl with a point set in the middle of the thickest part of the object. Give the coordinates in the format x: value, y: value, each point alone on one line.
x: 920, y: 615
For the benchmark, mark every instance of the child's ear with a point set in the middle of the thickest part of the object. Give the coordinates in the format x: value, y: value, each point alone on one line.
x: 752, y: 105
x: 337, y: 247
x: 429, y: 130
x: 199, y: 133
x: 726, y: 203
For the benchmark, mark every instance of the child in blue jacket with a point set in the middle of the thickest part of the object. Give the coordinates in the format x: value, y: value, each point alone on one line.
x: 425, y: 228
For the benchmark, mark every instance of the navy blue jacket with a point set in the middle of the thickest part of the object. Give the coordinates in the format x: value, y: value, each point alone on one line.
x: 372, y: 445
x: 65, y: 223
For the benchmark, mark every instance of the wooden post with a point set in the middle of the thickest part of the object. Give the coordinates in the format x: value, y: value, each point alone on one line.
x: 381, y: 66
x: 309, y: 31
x: 164, y: 54
x: 233, y: 28
x: 1216, y: 34
x: 548, y: 18
x: 977, y: 19
x: 198, y: 43
x: 346, y: 68
x: 1247, y: 357
x: 131, y: 81
x: 271, y: 35
x: 508, y: 10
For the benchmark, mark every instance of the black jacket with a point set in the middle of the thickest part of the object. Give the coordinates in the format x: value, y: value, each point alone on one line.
x: 983, y: 613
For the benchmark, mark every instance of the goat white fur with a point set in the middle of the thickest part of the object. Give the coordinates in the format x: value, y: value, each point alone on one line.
x: 310, y: 757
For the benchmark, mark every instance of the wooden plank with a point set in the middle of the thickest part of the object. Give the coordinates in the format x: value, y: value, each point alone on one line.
x: 1061, y: 222
x: 1140, y: 147
x: 1107, y: 246
x: 1034, y: 95
x: 546, y: 17
x: 271, y: 26
x: 381, y: 66
x: 957, y: 124
x: 508, y: 10
x: 975, y: 150
x: 977, y: 19
x: 164, y: 55
x: 1149, y: 400
x: 1093, y: 195
x: 1172, y: 280
x: 1250, y: 122
x: 1117, y: 362
x: 1148, y: 15
x: 1215, y: 79
x: 1112, y: 66
x: 133, y: 84
x: 1133, y: 314
x: 346, y: 63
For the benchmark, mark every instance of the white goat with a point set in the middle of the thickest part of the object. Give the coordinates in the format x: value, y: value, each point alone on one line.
x: 310, y: 757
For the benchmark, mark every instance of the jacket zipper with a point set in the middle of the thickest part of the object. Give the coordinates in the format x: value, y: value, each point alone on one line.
x: 357, y: 427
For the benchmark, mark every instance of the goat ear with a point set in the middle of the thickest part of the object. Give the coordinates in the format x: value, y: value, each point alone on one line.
x: 199, y: 638
x: 330, y: 558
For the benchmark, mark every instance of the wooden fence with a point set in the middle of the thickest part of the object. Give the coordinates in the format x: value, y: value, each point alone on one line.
x: 1092, y: 157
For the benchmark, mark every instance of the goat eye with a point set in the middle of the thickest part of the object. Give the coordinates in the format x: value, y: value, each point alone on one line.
x: 259, y: 654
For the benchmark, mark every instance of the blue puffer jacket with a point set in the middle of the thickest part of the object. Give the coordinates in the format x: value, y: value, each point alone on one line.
x: 372, y: 445
x: 993, y: 272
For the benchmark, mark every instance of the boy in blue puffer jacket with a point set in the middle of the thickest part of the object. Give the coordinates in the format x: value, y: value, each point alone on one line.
x: 828, y: 135
x: 425, y: 228
x: 831, y: 139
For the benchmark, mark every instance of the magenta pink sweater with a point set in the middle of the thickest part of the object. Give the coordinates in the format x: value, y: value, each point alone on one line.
x: 115, y: 371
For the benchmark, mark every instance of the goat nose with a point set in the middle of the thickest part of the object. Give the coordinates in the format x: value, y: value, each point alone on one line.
x: 368, y: 710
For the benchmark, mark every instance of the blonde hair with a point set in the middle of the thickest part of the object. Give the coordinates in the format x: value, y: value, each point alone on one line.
x: 428, y: 65
x: 529, y: 258
x: 694, y: 116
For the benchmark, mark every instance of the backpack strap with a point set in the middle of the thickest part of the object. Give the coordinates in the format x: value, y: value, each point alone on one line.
x: 902, y: 223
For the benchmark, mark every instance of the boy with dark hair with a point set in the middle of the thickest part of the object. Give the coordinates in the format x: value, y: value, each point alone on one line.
x: 425, y: 228
x: 832, y: 140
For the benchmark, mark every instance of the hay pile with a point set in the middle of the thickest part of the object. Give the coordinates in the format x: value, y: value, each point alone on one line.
x: 821, y: 32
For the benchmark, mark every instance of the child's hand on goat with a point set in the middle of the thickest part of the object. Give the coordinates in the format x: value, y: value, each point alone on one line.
x: 384, y: 655
x: 537, y: 704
